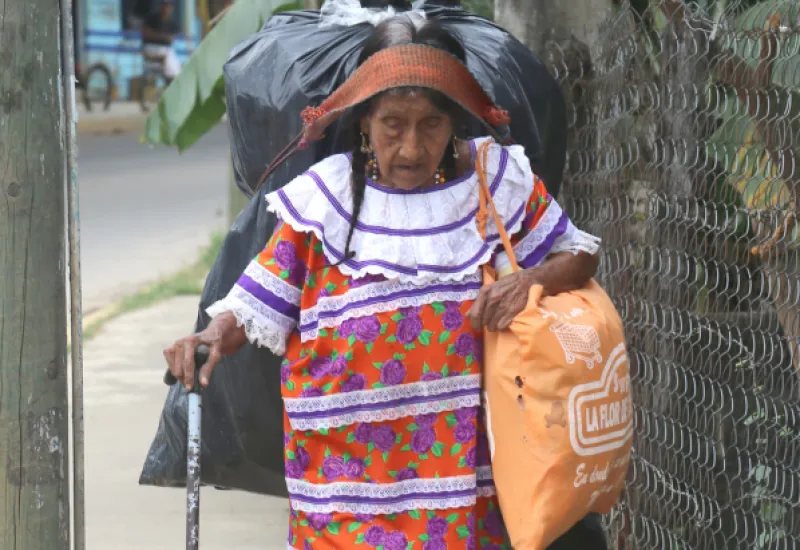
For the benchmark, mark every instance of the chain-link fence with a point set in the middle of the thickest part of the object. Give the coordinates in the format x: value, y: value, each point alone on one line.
x: 684, y: 158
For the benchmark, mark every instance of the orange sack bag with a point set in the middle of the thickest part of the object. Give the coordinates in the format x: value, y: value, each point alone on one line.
x: 559, y: 410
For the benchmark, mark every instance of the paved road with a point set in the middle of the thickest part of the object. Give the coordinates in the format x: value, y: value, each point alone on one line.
x: 146, y: 212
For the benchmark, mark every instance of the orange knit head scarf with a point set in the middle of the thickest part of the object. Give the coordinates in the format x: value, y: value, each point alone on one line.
x: 407, y: 66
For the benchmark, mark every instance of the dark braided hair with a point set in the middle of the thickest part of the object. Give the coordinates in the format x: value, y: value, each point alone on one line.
x: 398, y: 31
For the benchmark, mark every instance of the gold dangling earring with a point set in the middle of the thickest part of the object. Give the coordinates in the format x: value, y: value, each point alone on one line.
x: 372, y: 167
x: 372, y: 163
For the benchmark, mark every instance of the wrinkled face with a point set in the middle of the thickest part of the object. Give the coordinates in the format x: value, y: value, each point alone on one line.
x: 409, y: 135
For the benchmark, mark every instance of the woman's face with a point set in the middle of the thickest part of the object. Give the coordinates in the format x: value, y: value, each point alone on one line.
x: 409, y: 136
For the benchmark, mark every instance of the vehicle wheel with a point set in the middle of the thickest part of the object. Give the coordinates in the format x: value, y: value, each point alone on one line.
x: 98, y: 87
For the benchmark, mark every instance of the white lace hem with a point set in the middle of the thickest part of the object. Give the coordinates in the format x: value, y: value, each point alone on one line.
x: 271, y: 282
x: 385, y: 396
x: 575, y: 241
x: 483, y: 473
x: 485, y: 482
x: 380, y: 499
x: 387, y: 413
x: 263, y: 326
x: 538, y: 235
x: 433, y: 503
x: 380, y: 298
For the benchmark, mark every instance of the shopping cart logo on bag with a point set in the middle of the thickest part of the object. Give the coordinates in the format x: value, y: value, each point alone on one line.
x: 601, y: 412
x: 578, y: 342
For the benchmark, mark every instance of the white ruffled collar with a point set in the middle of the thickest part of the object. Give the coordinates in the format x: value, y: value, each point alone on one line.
x: 413, y: 236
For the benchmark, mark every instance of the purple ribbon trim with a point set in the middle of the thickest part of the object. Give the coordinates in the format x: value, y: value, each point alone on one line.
x: 509, y: 224
x: 388, y: 500
x: 395, y: 267
x: 379, y: 230
x: 529, y: 217
x: 543, y: 249
x: 387, y: 404
x: 378, y: 299
x: 380, y: 263
x: 268, y: 298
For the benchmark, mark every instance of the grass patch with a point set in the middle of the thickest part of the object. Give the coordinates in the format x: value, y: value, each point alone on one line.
x: 187, y: 282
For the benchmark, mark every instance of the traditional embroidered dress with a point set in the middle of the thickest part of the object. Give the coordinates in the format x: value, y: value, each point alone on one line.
x: 384, y: 447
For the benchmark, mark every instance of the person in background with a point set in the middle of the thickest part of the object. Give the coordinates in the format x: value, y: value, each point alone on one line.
x: 141, y: 9
x: 158, y: 34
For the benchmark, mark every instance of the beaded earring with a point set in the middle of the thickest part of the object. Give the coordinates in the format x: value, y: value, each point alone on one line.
x: 439, y: 178
x: 372, y: 167
x: 372, y: 163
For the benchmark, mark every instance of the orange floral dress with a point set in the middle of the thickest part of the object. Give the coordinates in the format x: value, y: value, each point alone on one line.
x: 385, y: 446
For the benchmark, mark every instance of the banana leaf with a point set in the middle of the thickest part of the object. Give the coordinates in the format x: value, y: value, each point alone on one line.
x: 195, y: 101
x: 744, y: 39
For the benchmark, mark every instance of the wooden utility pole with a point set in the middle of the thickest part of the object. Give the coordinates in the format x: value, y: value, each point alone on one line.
x: 34, y: 416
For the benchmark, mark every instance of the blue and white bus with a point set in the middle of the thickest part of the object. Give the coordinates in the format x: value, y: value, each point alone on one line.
x: 106, y: 33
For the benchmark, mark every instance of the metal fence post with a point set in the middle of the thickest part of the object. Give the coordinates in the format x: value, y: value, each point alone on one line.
x: 68, y: 74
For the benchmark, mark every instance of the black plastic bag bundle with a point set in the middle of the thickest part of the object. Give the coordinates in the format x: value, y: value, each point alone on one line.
x: 290, y: 64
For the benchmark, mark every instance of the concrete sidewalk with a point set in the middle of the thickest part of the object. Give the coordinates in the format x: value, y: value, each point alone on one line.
x: 124, y: 393
x: 121, y: 117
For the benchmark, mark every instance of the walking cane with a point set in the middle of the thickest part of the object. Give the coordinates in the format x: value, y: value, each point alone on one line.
x: 193, y: 432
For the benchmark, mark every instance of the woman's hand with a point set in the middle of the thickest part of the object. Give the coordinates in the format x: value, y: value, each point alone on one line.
x: 498, y: 303
x: 222, y: 336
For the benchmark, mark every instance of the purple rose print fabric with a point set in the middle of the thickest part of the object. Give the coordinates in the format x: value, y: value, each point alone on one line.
x: 319, y: 367
x: 423, y: 440
x: 452, y: 319
x: 384, y: 440
x: 465, y: 345
x: 285, y: 255
x: 409, y: 329
x: 393, y: 373
x: 354, y: 383
x: 368, y: 329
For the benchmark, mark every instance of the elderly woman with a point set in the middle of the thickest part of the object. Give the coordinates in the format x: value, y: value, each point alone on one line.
x: 371, y: 290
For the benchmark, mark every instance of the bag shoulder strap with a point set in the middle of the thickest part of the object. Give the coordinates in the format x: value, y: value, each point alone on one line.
x: 486, y: 203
